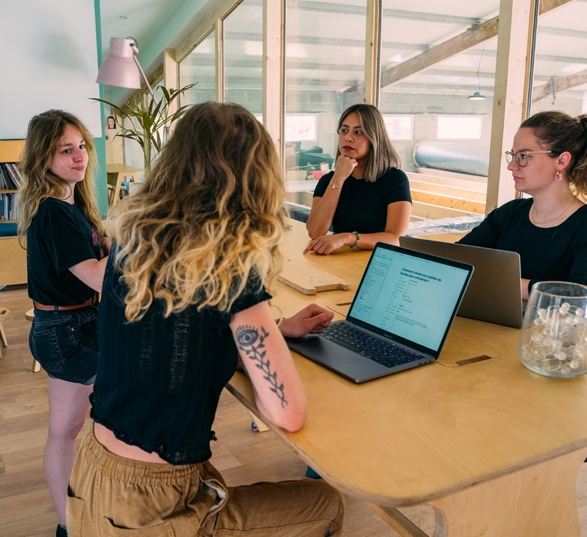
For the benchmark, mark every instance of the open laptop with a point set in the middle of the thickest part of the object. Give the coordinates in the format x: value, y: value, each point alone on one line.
x: 494, y: 294
x: 402, y: 311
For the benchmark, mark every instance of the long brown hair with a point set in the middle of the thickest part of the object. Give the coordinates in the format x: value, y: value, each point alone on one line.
x: 43, y: 137
x: 382, y: 155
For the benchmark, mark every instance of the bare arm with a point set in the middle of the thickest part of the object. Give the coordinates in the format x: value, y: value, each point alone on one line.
x: 91, y: 272
x: 278, y: 388
x: 312, y: 319
x: 323, y: 208
x: 398, y: 219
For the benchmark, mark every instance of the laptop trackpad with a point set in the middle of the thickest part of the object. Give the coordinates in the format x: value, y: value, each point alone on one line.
x: 333, y: 356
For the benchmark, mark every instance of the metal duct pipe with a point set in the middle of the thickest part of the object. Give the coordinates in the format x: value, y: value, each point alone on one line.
x: 460, y: 158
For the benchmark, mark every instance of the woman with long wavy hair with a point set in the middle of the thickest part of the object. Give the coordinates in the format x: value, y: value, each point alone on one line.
x: 194, y: 253
x: 366, y: 199
x: 61, y: 229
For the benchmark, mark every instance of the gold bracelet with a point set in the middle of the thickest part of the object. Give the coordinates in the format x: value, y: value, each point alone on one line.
x: 334, y: 185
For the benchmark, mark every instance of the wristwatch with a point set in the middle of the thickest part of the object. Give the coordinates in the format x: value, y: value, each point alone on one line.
x: 356, y: 245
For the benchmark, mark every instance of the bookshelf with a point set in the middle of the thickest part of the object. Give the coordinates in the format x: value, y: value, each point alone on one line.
x: 12, y: 256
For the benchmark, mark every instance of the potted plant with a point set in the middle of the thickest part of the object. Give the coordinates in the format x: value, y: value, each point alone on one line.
x: 147, y: 120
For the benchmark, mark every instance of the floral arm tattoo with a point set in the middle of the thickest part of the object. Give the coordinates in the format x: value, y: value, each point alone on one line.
x: 253, y: 346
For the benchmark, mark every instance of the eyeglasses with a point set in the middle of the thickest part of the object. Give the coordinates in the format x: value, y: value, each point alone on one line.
x: 522, y: 157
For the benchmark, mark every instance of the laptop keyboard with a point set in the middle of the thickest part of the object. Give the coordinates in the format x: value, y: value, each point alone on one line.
x: 374, y: 348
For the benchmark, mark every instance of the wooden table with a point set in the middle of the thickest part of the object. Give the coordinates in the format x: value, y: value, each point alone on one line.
x: 492, y: 446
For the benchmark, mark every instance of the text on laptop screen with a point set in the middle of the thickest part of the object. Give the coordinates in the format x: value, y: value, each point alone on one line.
x: 408, y: 296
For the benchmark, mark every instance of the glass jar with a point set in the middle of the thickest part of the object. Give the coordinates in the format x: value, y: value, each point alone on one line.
x: 553, y: 339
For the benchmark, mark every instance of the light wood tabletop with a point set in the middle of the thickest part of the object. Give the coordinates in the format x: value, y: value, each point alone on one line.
x: 492, y: 446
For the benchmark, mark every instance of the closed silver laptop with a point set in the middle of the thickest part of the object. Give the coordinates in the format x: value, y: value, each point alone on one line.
x: 494, y: 294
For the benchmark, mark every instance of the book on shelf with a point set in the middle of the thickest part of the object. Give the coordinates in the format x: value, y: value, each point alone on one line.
x: 8, y: 206
x: 10, y: 177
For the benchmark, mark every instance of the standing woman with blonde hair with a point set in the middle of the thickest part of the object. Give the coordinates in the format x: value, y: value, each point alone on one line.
x: 184, y: 300
x: 66, y: 257
x: 367, y: 198
x: 548, y: 161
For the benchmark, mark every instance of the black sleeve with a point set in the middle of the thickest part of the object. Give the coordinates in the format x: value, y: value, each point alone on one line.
x: 66, y: 238
x: 322, y: 185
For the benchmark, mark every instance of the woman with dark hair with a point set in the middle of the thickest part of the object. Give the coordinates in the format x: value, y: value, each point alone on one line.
x: 366, y: 199
x: 184, y: 298
x: 548, y: 161
x: 66, y: 257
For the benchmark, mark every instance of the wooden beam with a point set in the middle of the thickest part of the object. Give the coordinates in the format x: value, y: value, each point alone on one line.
x: 509, y: 94
x: 372, y: 53
x: 273, y: 71
x: 470, y: 38
x: 219, y: 47
x: 557, y: 85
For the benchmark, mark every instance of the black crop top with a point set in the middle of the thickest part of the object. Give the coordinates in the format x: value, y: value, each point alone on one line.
x: 159, y: 379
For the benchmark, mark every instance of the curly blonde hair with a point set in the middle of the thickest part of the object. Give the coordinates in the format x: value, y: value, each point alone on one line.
x: 209, y: 217
x: 42, y: 142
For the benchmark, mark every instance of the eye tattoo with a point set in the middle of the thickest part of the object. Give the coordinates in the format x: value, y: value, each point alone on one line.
x: 252, y: 344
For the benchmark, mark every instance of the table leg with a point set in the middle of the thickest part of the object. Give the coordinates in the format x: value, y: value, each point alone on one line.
x: 538, y: 500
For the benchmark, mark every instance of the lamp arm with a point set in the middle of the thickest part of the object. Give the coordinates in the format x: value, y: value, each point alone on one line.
x: 145, y: 78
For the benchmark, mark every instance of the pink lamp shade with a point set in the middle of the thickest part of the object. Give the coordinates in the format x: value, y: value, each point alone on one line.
x: 120, y: 67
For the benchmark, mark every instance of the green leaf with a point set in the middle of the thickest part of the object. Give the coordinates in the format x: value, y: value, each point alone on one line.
x: 149, y: 120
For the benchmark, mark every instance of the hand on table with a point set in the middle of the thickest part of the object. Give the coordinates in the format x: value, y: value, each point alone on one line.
x: 313, y: 319
x: 326, y: 244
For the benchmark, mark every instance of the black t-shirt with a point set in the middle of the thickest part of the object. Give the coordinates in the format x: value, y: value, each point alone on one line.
x: 554, y: 253
x: 59, y: 237
x: 363, y: 205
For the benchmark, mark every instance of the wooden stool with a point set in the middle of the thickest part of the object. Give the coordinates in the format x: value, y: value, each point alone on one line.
x: 4, y: 313
x: 29, y: 316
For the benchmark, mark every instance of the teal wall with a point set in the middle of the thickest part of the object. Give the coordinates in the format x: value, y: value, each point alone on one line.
x: 179, y: 24
x: 100, y: 143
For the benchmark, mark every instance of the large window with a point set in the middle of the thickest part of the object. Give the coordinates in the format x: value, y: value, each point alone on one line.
x: 438, y: 60
x: 560, y: 66
x: 325, y: 65
x: 437, y: 65
x: 243, y: 56
x: 199, y: 67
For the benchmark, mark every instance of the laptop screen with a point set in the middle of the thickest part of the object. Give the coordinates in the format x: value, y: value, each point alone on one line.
x: 410, y: 295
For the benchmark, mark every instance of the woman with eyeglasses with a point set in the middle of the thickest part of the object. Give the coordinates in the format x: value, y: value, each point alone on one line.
x: 366, y: 199
x: 548, y: 228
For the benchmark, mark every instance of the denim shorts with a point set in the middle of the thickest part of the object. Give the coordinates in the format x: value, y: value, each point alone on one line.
x: 65, y: 343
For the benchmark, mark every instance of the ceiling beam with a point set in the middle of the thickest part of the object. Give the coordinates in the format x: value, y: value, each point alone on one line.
x: 470, y: 38
x: 557, y: 85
